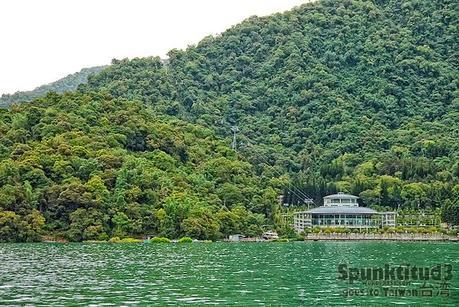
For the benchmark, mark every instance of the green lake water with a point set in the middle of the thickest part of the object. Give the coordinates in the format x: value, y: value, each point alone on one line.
x: 242, y: 274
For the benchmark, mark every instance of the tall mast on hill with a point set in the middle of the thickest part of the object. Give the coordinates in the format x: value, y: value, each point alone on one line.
x: 235, y: 130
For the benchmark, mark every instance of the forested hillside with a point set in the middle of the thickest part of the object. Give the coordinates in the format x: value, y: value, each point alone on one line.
x: 353, y: 96
x: 69, y: 83
x: 94, y: 167
x: 356, y: 96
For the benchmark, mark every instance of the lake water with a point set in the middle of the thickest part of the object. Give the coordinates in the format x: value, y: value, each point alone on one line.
x: 243, y: 274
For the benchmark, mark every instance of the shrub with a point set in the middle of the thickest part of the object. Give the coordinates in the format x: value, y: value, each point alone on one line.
x: 328, y: 230
x: 433, y: 229
x: 160, y: 240
x: 103, y: 237
x: 333, y: 229
x: 125, y: 240
x: 94, y: 241
x: 391, y: 230
x: 373, y: 230
x: 340, y: 230
x: 185, y: 240
x: 130, y: 240
x: 114, y: 240
x: 298, y: 237
x: 415, y: 229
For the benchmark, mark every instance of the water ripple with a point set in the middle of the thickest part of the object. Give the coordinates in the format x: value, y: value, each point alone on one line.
x: 202, y: 274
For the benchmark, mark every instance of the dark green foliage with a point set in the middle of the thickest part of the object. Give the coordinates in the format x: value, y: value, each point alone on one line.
x: 450, y: 212
x: 357, y: 96
x: 95, y: 167
x: 353, y: 96
x: 20, y: 228
x: 66, y: 84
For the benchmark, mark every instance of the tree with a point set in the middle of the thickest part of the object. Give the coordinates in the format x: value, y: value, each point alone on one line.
x: 450, y: 213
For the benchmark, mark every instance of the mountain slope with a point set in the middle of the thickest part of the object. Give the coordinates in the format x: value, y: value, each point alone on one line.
x: 88, y: 167
x: 69, y: 83
x: 358, y: 96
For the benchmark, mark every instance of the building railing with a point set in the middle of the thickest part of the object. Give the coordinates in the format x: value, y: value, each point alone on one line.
x: 379, y: 236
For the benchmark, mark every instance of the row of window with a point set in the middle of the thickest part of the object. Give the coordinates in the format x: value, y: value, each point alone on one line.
x: 340, y: 216
x: 344, y: 222
x: 341, y: 200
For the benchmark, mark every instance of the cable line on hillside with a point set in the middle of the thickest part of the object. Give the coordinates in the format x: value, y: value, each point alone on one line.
x: 291, y: 188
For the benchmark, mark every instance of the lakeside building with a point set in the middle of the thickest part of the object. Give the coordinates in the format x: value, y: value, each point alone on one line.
x: 342, y: 210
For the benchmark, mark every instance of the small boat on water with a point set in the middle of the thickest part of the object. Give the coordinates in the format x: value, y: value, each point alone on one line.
x: 270, y: 235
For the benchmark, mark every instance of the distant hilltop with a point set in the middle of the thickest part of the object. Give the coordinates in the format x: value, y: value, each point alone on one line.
x: 68, y: 83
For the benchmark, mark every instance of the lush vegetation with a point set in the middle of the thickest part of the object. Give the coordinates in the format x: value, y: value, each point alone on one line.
x: 160, y: 240
x: 354, y: 96
x: 66, y: 84
x: 93, y: 167
x: 124, y: 240
x: 185, y: 240
x: 450, y: 213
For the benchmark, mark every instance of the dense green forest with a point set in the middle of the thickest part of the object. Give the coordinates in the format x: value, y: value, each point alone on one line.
x: 69, y: 83
x: 355, y: 96
x: 352, y: 96
x: 93, y: 167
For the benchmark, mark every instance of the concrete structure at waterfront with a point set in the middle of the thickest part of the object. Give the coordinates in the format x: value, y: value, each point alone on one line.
x: 236, y: 238
x: 342, y: 210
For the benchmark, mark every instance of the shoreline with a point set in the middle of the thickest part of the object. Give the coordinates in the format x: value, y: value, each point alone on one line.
x: 259, y: 242
x: 382, y: 237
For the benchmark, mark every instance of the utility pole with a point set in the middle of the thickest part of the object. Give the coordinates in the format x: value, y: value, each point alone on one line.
x: 235, y: 130
x: 283, y: 201
x: 308, y: 201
